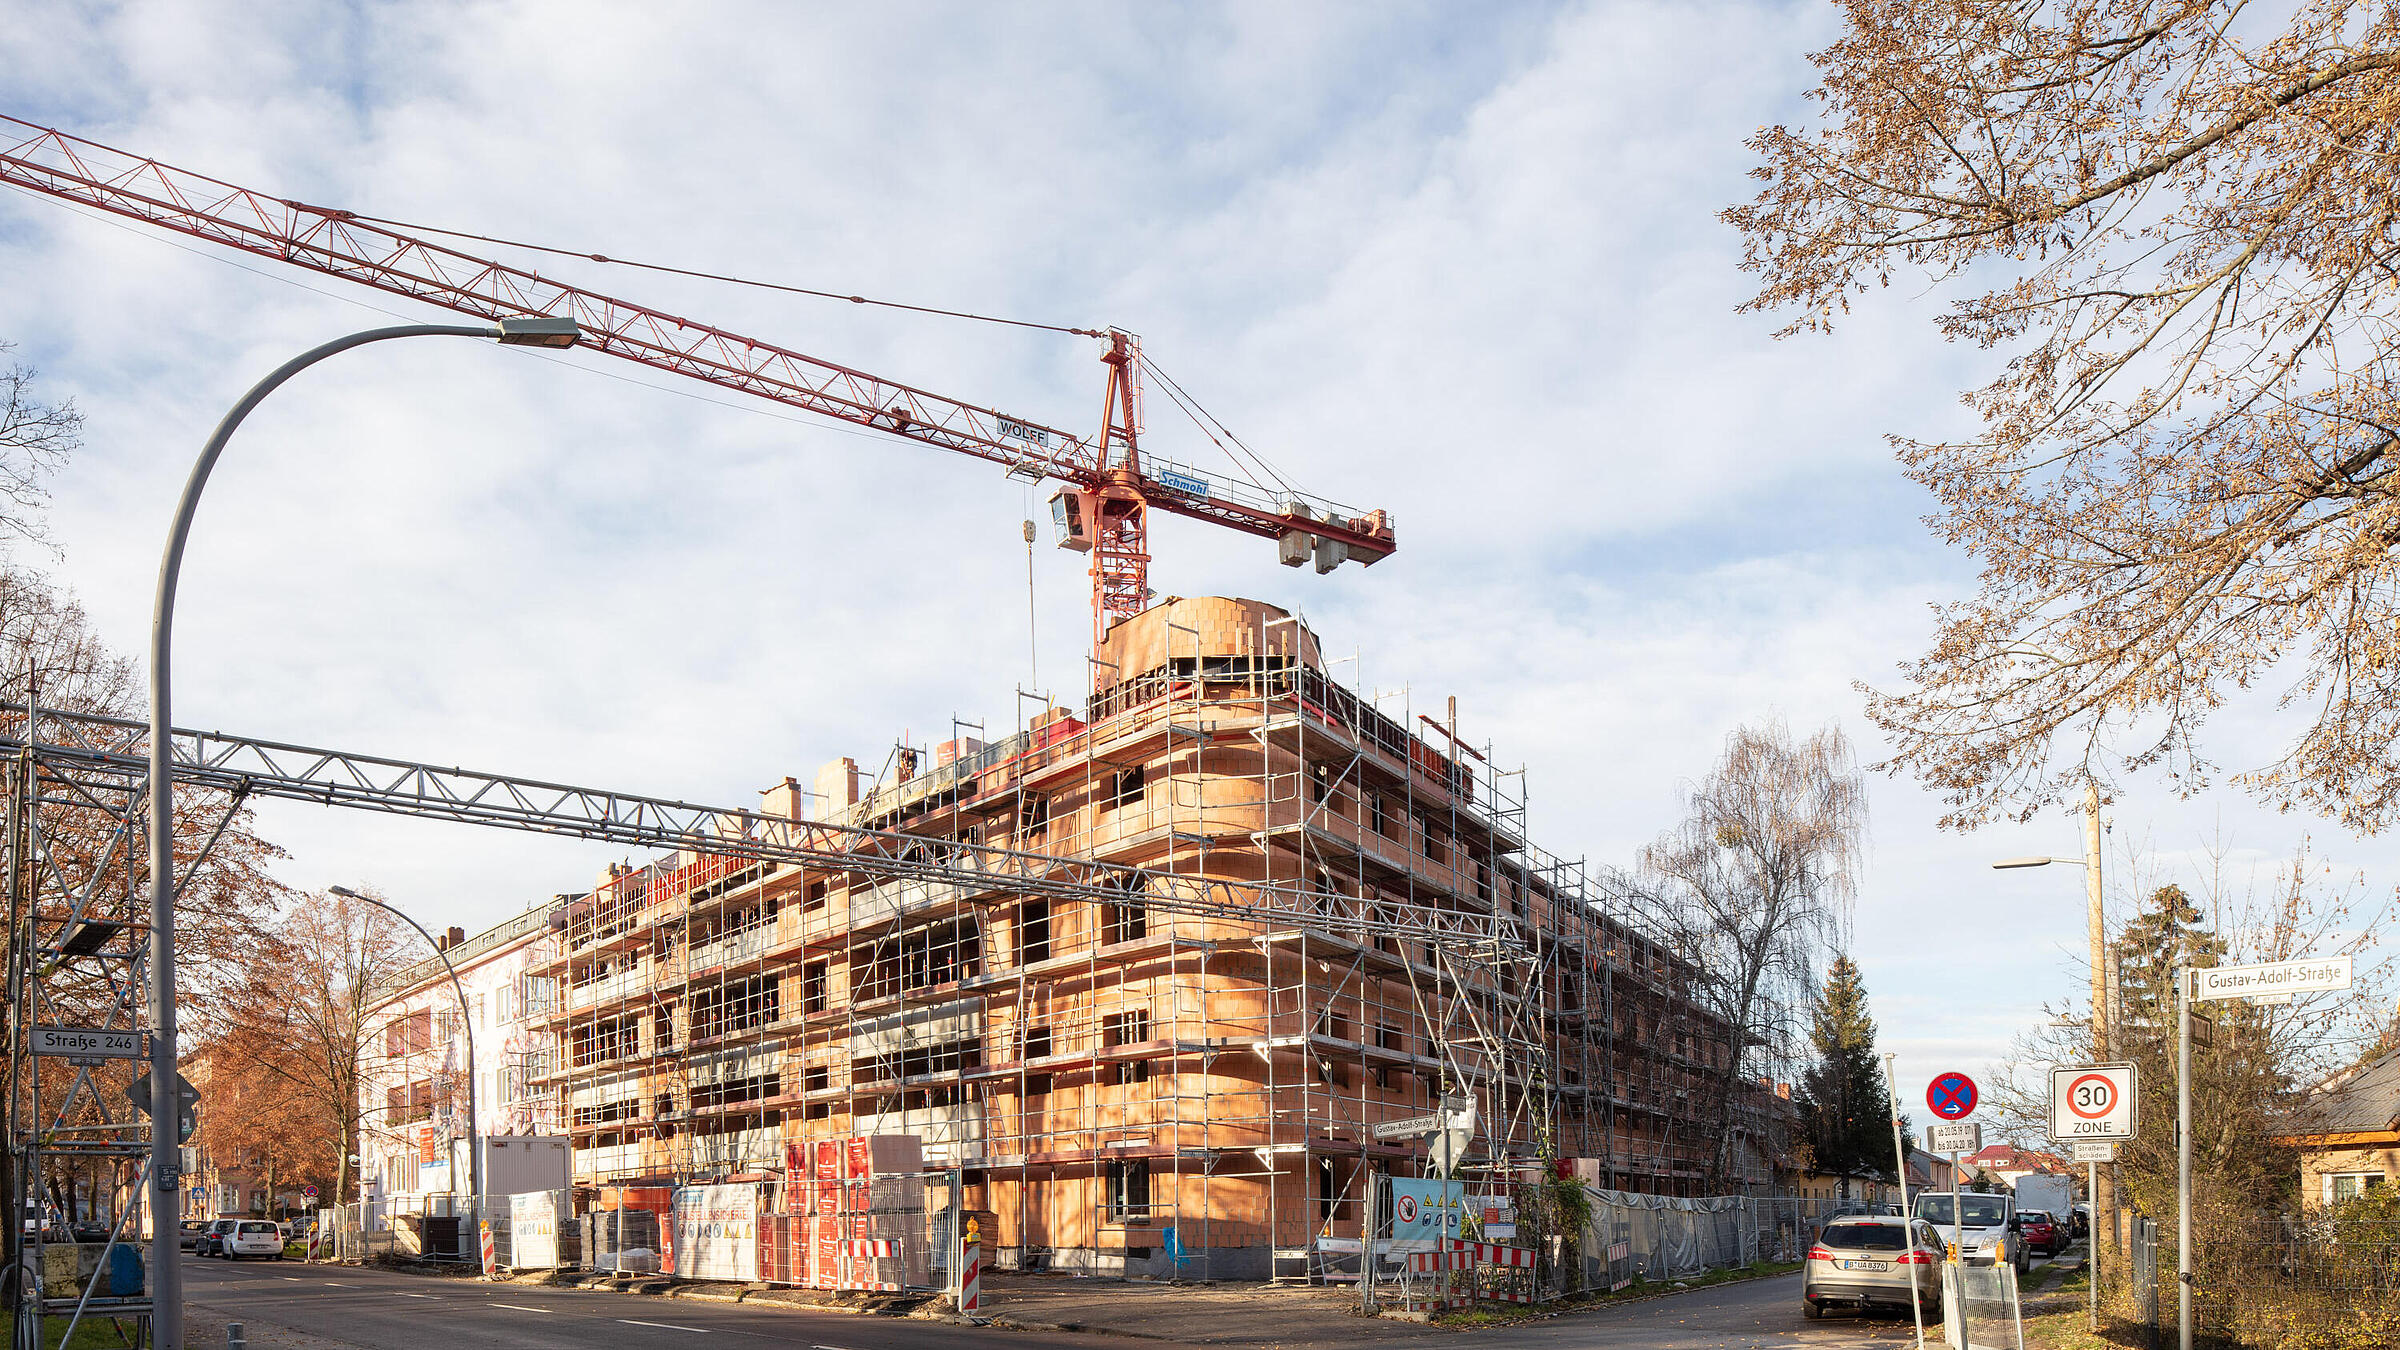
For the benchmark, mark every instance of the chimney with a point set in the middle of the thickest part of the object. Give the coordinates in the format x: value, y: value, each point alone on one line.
x: 837, y: 784
x: 786, y: 799
x: 454, y: 937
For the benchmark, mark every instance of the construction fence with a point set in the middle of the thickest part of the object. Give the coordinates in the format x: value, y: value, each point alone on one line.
x: 1445, y: 1244
x: 879, y: 1232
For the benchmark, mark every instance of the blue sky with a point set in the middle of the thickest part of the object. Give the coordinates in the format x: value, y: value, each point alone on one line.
x: 1459, y: 262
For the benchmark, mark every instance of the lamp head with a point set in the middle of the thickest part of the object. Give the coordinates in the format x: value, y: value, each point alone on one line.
x: 344, y: 892
x: 2007, y: 863
x: 540, y: 330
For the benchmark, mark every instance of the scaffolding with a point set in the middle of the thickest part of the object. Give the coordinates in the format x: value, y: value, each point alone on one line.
x: 77, y: 1152
x: 1134, y: 1070
x: 1148, y: 972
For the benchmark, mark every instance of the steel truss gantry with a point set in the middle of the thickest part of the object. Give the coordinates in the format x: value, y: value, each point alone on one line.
x: 104, y: 754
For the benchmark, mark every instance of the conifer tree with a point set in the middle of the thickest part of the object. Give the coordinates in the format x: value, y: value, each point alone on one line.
x: 1845, y: 1102
x: 2239, y: 1087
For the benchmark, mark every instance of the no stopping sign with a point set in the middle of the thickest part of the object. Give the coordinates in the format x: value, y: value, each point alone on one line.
x: 2092, y: 1101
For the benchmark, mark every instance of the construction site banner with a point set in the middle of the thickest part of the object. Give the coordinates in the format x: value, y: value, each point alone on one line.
x: 533, y: 1230
x: 716, y: 1232
x: 1424, y: 1211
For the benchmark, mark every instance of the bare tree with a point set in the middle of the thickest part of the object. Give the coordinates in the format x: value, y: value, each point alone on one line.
x: 35, y: 439
x: 1755, y: 886
x: 2176, y: 221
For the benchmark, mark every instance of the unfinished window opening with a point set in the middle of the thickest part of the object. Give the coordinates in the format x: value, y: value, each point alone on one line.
x: 1033, y: 814
x: 1129, y: 1028
x: 814, y: 979
x: 1320, y: 783
x: 1379, y: 816
x: 1129, y: 1189
x: 1126, y: 788
x: 736, y: 1006
x: 733, y: 1091
x: 1128, y: 919
x: 817, y: 1079
x: 1037, y: 1042
x: 1033, y: 931
x: 814, y: 897
x: 1329, y: 1193
x: 614, y: 1038
x: 1037, y: 1085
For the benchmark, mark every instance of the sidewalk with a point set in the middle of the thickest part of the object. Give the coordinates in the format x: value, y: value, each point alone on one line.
x: 1197, y: 1314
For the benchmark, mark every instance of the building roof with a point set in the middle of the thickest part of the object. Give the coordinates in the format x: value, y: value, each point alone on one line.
x: 2010, y: 1158
x: 2364, y: 1099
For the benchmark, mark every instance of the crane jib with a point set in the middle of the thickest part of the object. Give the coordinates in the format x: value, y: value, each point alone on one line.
x: 337, y: 243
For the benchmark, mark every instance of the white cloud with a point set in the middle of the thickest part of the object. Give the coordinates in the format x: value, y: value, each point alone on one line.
x: 1464, y: 265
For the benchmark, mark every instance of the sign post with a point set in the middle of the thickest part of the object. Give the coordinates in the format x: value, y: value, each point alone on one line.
x: 1952, y: 1096
x: 1908, y: 1211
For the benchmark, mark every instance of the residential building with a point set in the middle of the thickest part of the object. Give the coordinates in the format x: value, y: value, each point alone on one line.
x: 1273, y: 914
x: 413, y: 1081
x: 2347, y: 1132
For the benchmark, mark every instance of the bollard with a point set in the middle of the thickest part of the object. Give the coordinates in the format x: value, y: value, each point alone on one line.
x: 233, y: 1336
x: 970, y: 1272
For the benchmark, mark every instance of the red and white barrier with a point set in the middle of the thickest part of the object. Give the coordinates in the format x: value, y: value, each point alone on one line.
x: 490, y: 1255
x: 1493, y: 1254
x: 970, y: 1286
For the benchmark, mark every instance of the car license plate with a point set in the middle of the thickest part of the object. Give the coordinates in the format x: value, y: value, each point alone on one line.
x: 1866, y: 1265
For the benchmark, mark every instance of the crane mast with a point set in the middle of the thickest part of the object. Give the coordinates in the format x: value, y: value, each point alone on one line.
x: 1107, y: 485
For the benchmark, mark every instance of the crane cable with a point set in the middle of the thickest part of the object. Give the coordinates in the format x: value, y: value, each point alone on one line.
x: 704, y: 276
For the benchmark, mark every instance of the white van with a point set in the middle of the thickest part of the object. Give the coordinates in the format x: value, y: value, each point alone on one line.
x: 1986, y: 1231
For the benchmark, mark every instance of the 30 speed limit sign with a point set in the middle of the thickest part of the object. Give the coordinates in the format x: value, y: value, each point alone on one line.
x: 2092, y: 1101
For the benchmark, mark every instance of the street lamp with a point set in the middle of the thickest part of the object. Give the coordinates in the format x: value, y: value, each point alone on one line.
x: 465, y: 1019
x: 166, y: 1171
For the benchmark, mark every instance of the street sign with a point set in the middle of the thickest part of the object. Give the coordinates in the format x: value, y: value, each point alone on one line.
x: 187, y: 1104
x: 2312, y: 976
x: 1967, y: 1138
x: 87, y: 1044
x: 308, y: 1192
x: 2093, y: 1101
x: 2094, y: 1151
x: 1952, y: 1096
x: 1407, y: 1128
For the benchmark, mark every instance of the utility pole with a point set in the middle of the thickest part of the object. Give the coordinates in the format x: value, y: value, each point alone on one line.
x: 2104, y: 1019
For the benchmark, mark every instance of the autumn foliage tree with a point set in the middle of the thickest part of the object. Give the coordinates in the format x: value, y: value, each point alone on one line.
x: 293, y: 1036
x: 2174, y: 223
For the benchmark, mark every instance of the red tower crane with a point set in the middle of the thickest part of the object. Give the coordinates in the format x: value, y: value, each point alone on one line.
x: 1108, y: 486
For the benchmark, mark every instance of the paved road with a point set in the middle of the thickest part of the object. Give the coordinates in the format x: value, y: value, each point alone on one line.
x: 1751, y: 1315
x: 379, y: 1310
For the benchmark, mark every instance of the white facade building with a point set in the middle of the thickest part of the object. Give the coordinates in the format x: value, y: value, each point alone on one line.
x: 412, y: 1079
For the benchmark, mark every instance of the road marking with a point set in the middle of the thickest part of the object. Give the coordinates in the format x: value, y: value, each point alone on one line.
x: 293, y: 1278
x: 667, y: 1326
x: 519, y: 1307
x: 435, y: 1297
x: 333, y: 1284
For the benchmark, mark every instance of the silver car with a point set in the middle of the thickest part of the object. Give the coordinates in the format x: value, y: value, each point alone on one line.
x: 1870, y: 1262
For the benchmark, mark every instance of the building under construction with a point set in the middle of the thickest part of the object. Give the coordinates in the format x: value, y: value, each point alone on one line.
x: 1111, y: 1062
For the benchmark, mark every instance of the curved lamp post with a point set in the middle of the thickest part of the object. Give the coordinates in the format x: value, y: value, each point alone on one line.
x: 466, y: 1019
x: 166, y: 1181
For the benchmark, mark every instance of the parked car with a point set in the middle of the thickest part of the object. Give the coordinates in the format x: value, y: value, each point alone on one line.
x: 2083, y: 1220
x: 1869, y: 1261
x: 2043, y: 1236
x: 1986, y: 1227
x: 253, y: 1237
x: 188, y: 1236
x: 212, y: 1238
